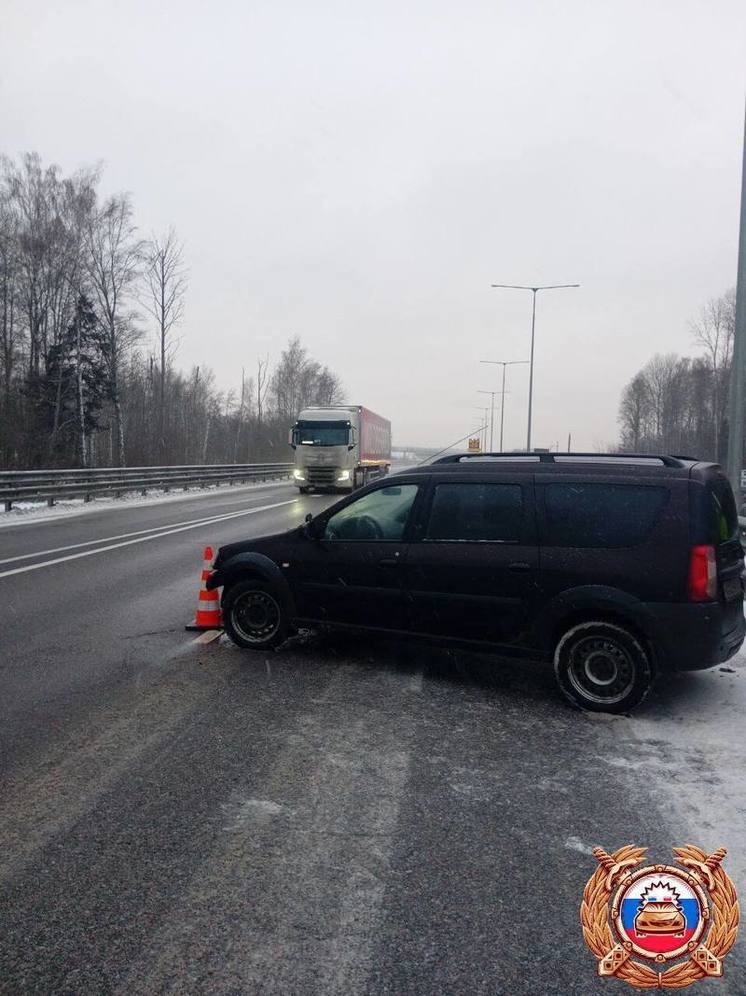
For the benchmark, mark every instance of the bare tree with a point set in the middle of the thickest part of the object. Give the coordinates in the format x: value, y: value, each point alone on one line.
x: 714, y: 329
x: 165, y: 289
x: 262, y: 386
x: 9, y: 325
x: 634, y: 413
x: 243, y: 411
x: 72, y: 386
x: 328, y: 388
x: 114, y: 257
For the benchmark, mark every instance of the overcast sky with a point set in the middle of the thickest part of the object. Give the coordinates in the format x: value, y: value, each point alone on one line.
x: 359, y: 173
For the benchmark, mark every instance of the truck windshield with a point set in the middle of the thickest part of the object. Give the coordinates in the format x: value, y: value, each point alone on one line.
x: 322, y: 433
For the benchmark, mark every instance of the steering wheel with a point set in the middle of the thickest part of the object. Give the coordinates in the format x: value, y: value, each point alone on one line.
x: 368, y: 528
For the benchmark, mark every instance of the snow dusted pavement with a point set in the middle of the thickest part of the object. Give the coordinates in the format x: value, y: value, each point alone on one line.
x: 683, y: 753
x: 688, y: 743
x: 342, y: 815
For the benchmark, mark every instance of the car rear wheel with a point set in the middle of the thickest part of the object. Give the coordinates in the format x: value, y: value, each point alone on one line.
x: 253, y: 616
x: 602, y: 667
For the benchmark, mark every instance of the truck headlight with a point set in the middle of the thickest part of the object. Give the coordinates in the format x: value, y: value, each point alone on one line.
x: 299, y: 475
x: 343, y: 475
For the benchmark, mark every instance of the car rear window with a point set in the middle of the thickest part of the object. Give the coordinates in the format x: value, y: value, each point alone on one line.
x: 476, y: 512
x: 722, y: 512
x: 601, y: 515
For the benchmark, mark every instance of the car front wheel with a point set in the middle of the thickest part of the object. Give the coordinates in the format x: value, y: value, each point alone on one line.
x: 253, y: 616
x: 602, y: 667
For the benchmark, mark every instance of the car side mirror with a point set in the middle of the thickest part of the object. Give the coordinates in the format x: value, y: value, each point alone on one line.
x: 310, y: 528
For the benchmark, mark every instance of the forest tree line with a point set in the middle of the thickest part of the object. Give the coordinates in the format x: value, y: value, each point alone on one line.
x: 679, y: 404
x: 89, y: 326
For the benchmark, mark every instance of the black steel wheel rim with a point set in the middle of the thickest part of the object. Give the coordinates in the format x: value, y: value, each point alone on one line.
x: 600, y: 670
x: 256, y: 616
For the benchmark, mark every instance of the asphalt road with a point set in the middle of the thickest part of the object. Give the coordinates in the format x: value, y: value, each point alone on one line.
x: 341, y: 816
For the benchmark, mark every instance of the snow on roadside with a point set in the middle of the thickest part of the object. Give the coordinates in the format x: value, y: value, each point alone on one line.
x: 29, y: 512
x: 686, y: 747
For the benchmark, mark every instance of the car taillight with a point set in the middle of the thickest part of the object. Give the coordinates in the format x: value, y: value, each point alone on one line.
x: 702, y: 574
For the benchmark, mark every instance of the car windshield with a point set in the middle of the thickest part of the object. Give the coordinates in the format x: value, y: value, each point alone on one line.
x: 322, y: 433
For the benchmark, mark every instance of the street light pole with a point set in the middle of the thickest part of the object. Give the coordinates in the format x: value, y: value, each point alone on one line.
x: 503, y: 364
x: 534, y: 291
x: 492, y: 414
x: 502, y: 409
x: 531, y: 374
x: 738, y: 366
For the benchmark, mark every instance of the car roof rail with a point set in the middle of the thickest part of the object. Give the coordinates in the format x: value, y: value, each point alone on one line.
x: 663, y: 458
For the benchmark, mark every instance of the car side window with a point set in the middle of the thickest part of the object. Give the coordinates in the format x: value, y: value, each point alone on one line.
x: 723, y: 513
x: 476, y: 512
x: 380, y: 515
x: 604, y: 516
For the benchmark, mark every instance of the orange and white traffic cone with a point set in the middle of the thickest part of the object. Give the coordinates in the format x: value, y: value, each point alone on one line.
x: 208, y: 606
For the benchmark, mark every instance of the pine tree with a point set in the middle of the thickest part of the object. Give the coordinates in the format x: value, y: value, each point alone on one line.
x: 76, y: 388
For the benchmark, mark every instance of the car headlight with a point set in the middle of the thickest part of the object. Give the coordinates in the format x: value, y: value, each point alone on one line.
x: 299, y: 475
x: 343, y: 475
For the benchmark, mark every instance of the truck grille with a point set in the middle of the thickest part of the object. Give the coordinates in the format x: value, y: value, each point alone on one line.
x: 321, y: 477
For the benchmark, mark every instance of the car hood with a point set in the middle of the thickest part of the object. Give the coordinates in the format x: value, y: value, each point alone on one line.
x: 273, y: 546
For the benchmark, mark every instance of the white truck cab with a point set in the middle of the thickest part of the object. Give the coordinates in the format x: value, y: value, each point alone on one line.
x: 341, y: 447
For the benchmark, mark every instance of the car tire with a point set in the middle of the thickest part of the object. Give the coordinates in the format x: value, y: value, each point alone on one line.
x: 254, y: 616
x: 303, y: 491
x: 602, y: 667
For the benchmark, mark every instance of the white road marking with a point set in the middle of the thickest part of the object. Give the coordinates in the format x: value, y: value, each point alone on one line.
x: 109, y: 539
x: 208, y: 637
x: 143, y: 539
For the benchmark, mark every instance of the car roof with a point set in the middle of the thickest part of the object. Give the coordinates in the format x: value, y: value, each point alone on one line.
x: 591, y: 464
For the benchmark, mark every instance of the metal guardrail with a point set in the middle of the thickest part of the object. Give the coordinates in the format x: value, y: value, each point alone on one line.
x: 52, y: 485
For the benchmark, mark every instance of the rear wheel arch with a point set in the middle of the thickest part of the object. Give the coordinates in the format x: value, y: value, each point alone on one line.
x: 592, y: 602
x: 613, y: 615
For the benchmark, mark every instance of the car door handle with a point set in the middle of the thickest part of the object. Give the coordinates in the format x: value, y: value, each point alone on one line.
x: 519, y: 566
x: 388, y: 562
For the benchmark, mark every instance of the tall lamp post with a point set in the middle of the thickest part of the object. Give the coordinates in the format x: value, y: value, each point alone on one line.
x: 483, y: 425
x: 492, y: 414
x: 738, y: 366
x: 534, y: 291
x: 503, y: 364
